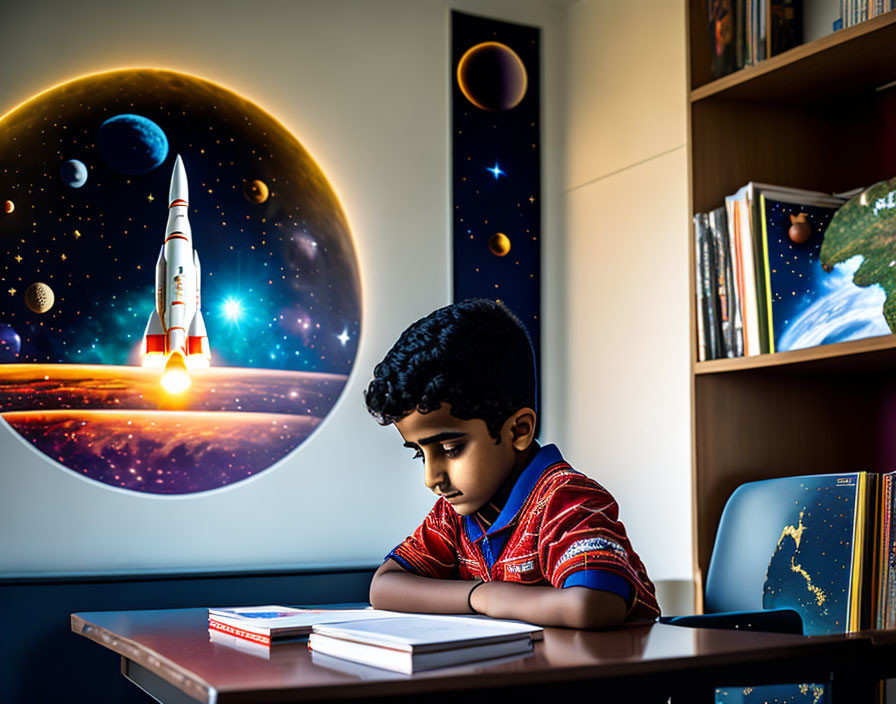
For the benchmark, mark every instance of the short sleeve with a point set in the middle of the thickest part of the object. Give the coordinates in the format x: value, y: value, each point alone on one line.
x: 582, y: 542
x: 431, y: 551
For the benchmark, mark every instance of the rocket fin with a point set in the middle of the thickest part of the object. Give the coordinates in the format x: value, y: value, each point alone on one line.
x: 198, y: 350
x: 152, y: 350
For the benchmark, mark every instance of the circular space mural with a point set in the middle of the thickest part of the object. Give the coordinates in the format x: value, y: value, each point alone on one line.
x: 180, y: 297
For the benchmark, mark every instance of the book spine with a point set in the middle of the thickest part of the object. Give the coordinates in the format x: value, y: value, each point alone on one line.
x: 699, y: 290
x: 708, y: 287
x: 238, y: 632
x: 890, y: 566
x: 883, y: 552
x: 736, y: 275
x: 768, y: 278
x: 858, y: 543
x: 743, y: 225
x: 719, y: 230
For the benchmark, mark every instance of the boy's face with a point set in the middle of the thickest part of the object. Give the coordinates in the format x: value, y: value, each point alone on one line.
x: 461, y: 460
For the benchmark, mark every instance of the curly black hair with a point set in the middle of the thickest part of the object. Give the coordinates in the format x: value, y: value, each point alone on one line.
x: 474, y: 355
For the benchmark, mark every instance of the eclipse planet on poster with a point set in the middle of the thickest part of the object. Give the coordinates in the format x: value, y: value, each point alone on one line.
x: 86, y: 170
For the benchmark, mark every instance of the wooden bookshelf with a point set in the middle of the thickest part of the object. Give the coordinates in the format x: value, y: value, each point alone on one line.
x: 820, y: 116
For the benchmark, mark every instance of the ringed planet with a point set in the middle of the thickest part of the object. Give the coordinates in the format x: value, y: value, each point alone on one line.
x: 492, y: 76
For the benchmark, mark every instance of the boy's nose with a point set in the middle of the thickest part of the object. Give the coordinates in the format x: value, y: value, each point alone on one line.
x: 434, y: 477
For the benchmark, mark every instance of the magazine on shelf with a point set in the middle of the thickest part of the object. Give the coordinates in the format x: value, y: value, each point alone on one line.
x: 414, y: 642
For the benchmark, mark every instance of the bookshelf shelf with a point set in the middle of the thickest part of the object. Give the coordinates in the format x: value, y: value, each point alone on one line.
x: 863, y: 54
x: 842, y: 352
x: 813, y: 118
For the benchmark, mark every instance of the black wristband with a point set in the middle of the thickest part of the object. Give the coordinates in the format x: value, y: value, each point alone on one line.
x: 470, y: 595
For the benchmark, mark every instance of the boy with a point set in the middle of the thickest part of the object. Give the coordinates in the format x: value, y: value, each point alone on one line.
x: 516, y: 532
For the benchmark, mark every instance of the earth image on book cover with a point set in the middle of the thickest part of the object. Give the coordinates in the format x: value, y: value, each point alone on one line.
x: 812, y: 304
x: 811, y: 568
x: 864, y: 230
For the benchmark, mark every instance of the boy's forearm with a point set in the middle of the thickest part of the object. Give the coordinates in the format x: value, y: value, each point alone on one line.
x: 577, y: 607
x: 400, y: 591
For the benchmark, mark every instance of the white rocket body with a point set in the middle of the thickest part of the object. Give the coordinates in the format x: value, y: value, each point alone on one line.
x: 176, y: 324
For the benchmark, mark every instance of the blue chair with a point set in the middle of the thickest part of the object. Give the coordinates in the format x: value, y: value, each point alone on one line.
x: 748, y: 536
x: 745, y: 541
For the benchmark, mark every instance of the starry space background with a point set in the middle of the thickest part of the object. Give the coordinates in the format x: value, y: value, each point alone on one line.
x: 817, y: 537
x: 286, y: 267
x: 280, y: 282
x: 496, y: 180
x: 796, y: 277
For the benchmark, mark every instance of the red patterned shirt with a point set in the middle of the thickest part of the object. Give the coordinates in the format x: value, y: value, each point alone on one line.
x: 558, y: 527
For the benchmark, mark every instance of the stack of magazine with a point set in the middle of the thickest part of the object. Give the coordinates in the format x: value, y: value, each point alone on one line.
x: 400, y: 642
x: 764, y: 282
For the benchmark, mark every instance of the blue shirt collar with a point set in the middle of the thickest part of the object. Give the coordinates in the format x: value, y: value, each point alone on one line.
x: 545, y: 457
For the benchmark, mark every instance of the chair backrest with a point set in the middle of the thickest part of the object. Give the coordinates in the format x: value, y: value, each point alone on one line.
x: 748, y: 534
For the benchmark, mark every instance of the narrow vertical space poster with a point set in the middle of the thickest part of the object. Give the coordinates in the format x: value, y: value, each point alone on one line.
x: 496, y: 166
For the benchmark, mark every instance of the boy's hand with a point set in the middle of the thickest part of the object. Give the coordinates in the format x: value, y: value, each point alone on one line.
x: 575, y: 607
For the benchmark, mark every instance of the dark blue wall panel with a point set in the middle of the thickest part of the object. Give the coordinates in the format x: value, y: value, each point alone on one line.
x: 41, y: 660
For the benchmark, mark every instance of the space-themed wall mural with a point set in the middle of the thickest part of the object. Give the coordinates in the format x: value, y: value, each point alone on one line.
x: 496, y: 165
x: 180, y: 299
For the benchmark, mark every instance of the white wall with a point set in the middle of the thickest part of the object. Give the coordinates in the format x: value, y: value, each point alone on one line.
x: 364, y: 85
x: 625, y: 203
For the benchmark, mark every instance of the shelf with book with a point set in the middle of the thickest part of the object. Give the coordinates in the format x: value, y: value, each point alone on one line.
x: 837, y: 355
x: 848, y: 61
x: 816, y: 117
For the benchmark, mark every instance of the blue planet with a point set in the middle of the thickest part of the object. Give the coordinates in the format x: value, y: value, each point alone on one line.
x: 73, y: 173
x: 132, y: 144
x: 10, y: 343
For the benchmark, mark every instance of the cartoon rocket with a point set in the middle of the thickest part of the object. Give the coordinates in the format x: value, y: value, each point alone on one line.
x: 175, y: 336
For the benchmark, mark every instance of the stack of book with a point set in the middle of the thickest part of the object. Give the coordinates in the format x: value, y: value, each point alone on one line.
x: 762, y: 281
x: 743, y: 32
x: 856, y: 11
x: 410, y: 643
x: 400, y: 642
x: 266, y: 625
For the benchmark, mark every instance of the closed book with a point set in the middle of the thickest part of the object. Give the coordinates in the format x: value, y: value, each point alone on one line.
x: 421, y: 642
x: 718, y: 227
x: 819, y: 564
x: 264, y: 624
x: 886, y: 571
x: 819, y: 291
x: 707, y: 347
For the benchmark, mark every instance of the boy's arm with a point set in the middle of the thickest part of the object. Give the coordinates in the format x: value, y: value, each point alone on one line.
x: 572, y: 607
x: 395, y: 589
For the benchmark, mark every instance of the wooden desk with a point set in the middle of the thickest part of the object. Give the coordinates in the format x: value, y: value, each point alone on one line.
x: 168, y: 653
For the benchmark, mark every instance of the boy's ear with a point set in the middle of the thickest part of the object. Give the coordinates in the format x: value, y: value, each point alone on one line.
x: 522, y: 428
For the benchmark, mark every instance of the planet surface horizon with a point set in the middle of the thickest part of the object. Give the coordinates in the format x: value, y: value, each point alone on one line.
x: 116, y: 425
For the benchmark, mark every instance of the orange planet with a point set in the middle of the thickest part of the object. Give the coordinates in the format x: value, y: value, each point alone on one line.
x: 492, y: 76
x: 499, y: 244
x: 256, y: 191
x: 9, y: 206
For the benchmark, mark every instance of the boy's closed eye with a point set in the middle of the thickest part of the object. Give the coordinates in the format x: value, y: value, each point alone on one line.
x: 451, y: 451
